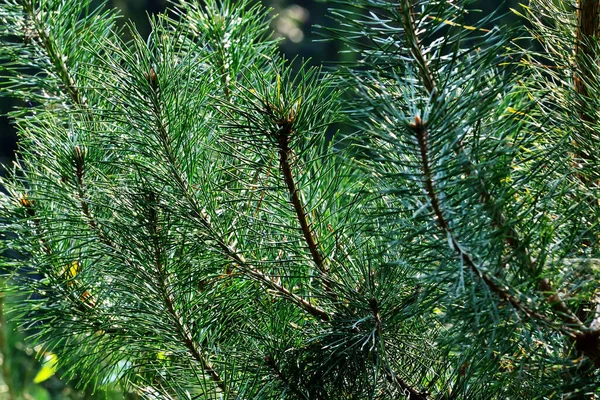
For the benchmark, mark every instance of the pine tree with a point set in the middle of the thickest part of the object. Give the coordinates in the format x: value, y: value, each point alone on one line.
x: 186, y: 223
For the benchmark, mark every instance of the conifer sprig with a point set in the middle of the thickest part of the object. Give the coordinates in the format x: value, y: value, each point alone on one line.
x: 425, y: 136
x: 188, y: 227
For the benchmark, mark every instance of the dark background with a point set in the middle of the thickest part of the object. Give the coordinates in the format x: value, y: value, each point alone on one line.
x: 294, y: 23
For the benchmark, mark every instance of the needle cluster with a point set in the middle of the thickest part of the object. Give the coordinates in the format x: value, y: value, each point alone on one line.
x: 189, y: 225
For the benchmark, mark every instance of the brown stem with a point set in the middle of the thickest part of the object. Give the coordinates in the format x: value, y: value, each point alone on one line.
x: 284, y: 163
x: 588, y: 32
x: 222, y: 246
x: 267, y: 281
x: 552, y: 297
x: 283, y: 138
x: 588, y: 27
x: 54, y: 55
x: 503, y: 292
x: 407, y: 390
x: 270, y: 361
x: 409, y: 24
x: 163, y: 286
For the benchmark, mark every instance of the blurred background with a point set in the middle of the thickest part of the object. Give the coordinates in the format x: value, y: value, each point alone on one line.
x: 25, y: 376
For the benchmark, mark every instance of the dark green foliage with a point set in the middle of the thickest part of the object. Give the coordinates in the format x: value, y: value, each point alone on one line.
x: 188, y: 227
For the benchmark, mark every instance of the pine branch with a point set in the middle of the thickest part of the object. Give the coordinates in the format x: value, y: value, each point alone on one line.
x: 588, y: 29
x: 552, y: 297
x: 283, y: 138
x: 57, y: 60
x: 587, y: 34
x: 285, y: 129
x: 182, y: 329
x: 421, y: 133
x: 167, y: 293
x: 407, y: 390
x: 231, y: 253
x: 410, y: 30
x: 270, y: 361
x: 62, y: 71
x: 79, y: 156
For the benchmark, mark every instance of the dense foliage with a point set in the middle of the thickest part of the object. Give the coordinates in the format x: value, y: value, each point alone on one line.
x: 196, y: 217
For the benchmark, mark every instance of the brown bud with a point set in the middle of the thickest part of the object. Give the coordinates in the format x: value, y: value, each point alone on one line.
x: 28, y: 204
x: 152, y: 78
x: 87, y: 299
x: 373, y: 304
x: 78, y: 153
x: 418, y: 124
x: 463, y: 368
x: 25, y: 202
